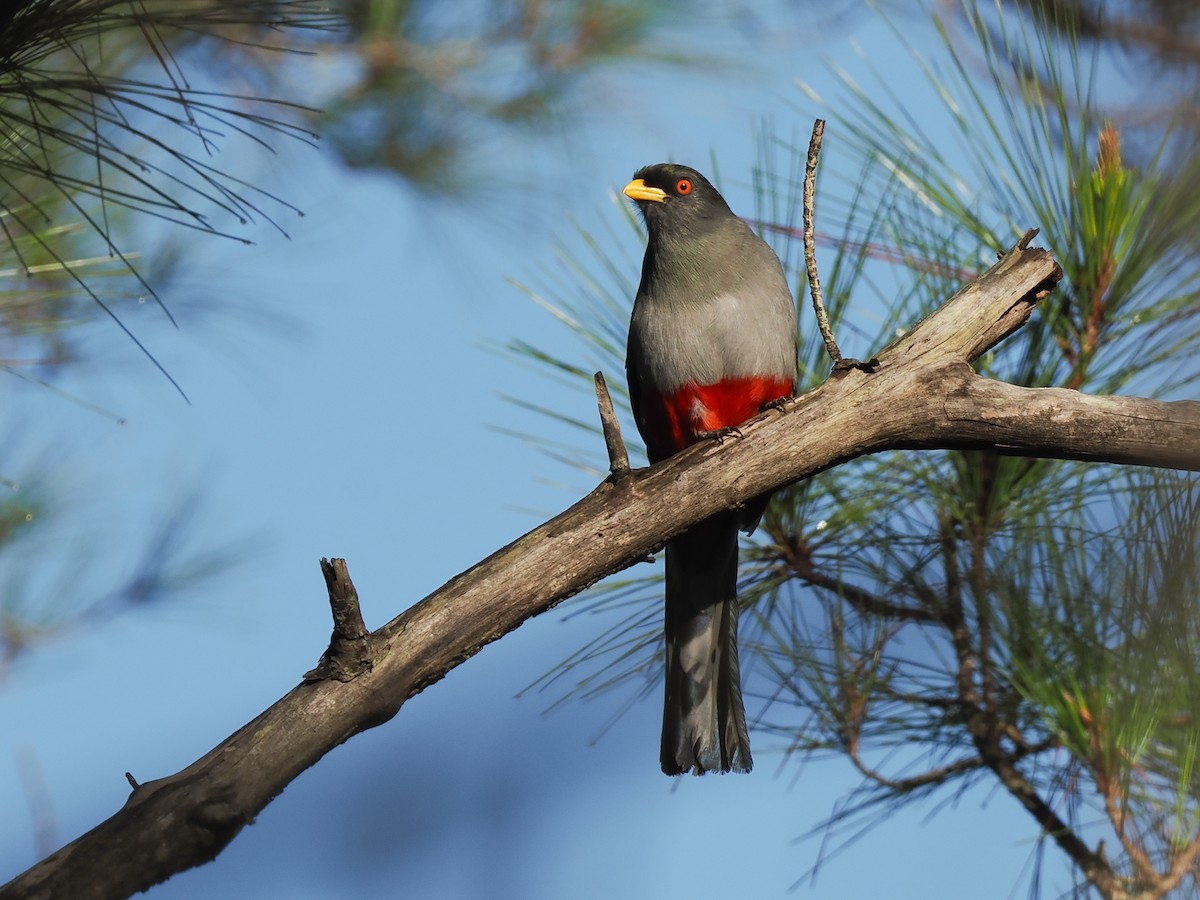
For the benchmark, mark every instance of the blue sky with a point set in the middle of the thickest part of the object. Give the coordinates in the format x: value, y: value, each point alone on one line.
x: 345, y: 403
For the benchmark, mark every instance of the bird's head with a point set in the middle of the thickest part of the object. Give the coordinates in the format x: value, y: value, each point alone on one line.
x: 674, y: 199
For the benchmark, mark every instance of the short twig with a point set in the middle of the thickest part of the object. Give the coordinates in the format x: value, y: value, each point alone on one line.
x: 618, y: 456
x: 349, y: 653
x: 348, y: 622
x: 810, y: 257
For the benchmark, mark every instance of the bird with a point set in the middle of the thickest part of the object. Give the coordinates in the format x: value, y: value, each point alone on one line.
x: 712, y: 341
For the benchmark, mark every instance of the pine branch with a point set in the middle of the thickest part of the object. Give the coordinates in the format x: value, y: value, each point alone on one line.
x: 90, y: 134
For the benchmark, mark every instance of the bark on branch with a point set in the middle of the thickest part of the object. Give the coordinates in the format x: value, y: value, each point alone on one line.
x: 922, y: 395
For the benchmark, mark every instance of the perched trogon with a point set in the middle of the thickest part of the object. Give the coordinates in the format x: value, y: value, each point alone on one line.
x: 712, y: 340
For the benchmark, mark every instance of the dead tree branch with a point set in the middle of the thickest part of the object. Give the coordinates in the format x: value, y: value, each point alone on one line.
x: 922, y: 395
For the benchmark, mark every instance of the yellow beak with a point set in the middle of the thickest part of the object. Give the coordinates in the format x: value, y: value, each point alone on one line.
x: 638, y: 190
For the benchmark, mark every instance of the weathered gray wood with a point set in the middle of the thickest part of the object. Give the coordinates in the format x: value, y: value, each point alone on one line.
x: 922, y: 395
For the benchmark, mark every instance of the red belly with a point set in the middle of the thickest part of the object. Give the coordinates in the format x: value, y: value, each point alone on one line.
x: 676, y: 420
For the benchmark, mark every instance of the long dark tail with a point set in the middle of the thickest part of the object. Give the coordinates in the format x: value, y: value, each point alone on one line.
x: 704, y: 721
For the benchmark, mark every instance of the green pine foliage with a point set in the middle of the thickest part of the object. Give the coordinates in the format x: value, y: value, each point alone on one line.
x: 110, y: 127
x: 104, y: 123
x: 949, y: 618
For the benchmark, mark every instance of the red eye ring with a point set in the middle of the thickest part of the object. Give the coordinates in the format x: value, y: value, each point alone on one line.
x: 683, y: 186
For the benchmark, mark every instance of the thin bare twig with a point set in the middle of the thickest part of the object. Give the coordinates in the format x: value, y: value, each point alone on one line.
x: 810, y: 251
x: 799, y: 560
x: 840, y: 365
x: 618, y: 456
x: 915, y: 782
